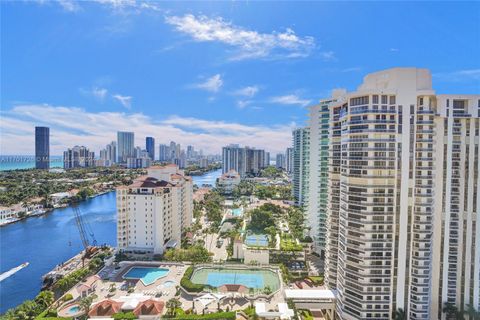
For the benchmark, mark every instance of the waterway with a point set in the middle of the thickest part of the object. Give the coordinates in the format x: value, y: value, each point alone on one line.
x: 51, y: 239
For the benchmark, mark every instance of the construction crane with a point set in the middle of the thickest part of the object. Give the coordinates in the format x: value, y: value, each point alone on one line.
x: 83, y: 227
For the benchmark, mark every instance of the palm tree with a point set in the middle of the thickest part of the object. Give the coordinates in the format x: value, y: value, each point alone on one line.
x: 27, y: 311
x: 86, y: 302
x: 471, y: 312
x: 452, y: 312
x: 172, y: 306
x: 399, y: 314
x: 45, y: 299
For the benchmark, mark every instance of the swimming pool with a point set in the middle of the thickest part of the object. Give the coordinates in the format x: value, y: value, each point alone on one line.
x: 256, y: 279
x: 237, y: 212
x: 256, y: 240
x: 145, y: 274
x: 72, y: 310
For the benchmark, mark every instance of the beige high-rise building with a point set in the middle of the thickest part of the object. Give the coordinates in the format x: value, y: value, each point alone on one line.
x: 402, y: 220
x: 154, y: 210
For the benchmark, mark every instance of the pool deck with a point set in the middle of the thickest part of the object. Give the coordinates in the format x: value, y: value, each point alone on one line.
x: 115, y: 278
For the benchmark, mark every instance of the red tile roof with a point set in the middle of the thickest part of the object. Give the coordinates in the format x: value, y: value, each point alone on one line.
x: 149, y: 307
x: 105, y: 308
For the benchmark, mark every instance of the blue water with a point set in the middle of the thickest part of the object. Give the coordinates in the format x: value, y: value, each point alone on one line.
x: 147, y: 275
x: 208, y: 178
x: 47, y: 241
x: 16, y: 162
x: 237, y: 212
x: 217, y: 279
x: 73, y: 310
x: 259, y: 240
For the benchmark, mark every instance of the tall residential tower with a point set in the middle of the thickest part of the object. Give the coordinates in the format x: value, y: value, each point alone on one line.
x: 42, y: 147
x: 403, y: 194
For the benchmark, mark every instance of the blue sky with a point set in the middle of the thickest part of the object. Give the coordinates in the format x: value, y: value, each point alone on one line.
x: 211, y: 73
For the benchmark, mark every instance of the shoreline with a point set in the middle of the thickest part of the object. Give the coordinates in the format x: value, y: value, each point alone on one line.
x: 48, y: 210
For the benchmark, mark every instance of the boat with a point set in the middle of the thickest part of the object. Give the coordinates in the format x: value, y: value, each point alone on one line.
x: 12, y: 271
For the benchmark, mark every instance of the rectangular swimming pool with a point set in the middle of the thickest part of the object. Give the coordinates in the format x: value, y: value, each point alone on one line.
x: 147, y: 275
x: 256, y: 279
x: 256, y: 240
x: 237, y: 212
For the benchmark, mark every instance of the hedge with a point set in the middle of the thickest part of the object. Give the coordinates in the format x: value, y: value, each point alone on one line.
x: 187, y: 284
x: 212, y: 316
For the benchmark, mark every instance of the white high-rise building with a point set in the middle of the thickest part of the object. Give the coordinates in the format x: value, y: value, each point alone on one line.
x: 153, y: 212
x: 301, y: 160
x: 403, y: 226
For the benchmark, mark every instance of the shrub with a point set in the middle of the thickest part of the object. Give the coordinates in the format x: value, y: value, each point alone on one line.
x: 212, y: 316
x: 188, y: 285
x: 67, y: 297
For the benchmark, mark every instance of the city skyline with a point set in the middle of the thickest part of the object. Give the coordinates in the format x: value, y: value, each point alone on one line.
x: 226, y: 93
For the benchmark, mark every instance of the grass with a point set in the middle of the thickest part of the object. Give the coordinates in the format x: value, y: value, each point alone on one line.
x: 317, y: 280
x: 306, y: 314
x: 287, y: 243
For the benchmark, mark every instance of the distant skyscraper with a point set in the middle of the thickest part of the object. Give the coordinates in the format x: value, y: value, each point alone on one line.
x: 125, y: 146
x: 280, y: 161
x: 246, y: 161
x: 42, y: 147
x: 150, y: 147
x: 190, y: 152
x: 289, y: 160
x: 267, y: 159
x: 108, y: 156
x: 172, y: 151
x: 78, y: 157
x: 163, y: 153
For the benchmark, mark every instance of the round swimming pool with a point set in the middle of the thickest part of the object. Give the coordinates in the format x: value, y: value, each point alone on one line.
x: 72, y: 310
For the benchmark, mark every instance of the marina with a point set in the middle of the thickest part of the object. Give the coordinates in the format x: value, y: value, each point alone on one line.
x: 49, y: 240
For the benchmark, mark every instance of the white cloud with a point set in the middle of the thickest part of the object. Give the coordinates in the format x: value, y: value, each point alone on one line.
x: 69, y: 5
x: 290, y: 99
x: 126, y: 101
x: 99, y: 93
x: 129, y: 6
x: 243, y: 103
x: 71, y: 126
x: 212, y: 84
x: 459, y: 75
x: 328, y: 55
x: 394, y: 50
x: 248, y: 43
x: 249, y: 91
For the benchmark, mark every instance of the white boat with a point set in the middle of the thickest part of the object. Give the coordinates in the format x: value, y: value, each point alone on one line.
x: 12, y: 271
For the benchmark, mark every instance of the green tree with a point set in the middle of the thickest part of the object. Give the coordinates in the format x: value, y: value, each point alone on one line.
x: 261, y: 219
x: 27, y: 310
x: 399, y: 314
x: 44, y: 299
x: 172, y: 306
x: 471, y: 312
x: 86, y: 303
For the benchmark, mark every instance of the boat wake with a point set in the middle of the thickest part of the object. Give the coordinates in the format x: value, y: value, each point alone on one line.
x: 12, y: 271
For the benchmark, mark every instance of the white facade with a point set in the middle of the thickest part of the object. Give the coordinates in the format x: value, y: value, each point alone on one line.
x: 402, y: 218
x: 154, y: 210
